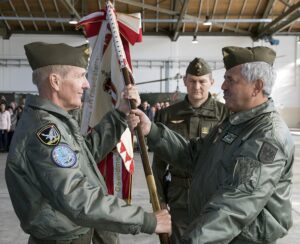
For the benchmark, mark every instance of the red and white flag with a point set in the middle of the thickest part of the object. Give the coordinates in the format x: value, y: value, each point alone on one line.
x: 106, y: 82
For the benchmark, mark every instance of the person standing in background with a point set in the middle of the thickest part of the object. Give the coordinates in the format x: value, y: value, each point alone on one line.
x: 5, y: 124
x: 193, y: 117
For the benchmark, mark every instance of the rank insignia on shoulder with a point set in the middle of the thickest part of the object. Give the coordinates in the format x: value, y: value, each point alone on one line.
x: 64, y: 156
x: 229, y: 137
x: 267, y: 153
x: 49, y: 135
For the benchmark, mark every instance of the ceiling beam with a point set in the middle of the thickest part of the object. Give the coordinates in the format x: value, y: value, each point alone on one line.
x: 285, y: 3
x: 266, y: 14
x: 29, y: 12
x: 227, y: 13
x: 199, y: 15
x: 255, y: 13
x: 179, y: 21
x: 58, y: 13
x: 280, y: 22
x: 69, y: 6
x: 44, y: 13
x: 170, y: 12
x: 4, y: 32
x: 213, y: 13
x: 13, y: 8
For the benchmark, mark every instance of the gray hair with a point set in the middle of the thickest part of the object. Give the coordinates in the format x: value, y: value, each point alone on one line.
x: 41, y: 75
x: 260, y: 71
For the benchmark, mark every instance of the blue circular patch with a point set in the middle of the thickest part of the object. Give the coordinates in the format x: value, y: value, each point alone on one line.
x: 64, y: 156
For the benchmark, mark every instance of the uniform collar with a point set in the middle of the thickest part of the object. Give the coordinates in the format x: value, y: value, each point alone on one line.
x: 45, y: 104
x: 206, y: 109
x: 240, y: 117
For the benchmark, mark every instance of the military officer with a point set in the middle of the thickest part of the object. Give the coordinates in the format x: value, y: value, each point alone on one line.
x: 194, y: 117
x: 51, y: 173
x: 242, y: 171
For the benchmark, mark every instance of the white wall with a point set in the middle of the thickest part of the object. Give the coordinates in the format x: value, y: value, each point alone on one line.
x: 18, y: 78
x: 285, y: 92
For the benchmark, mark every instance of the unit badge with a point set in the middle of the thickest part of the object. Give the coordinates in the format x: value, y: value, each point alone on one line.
x: 267, y: 153
x: 64, y: 156
x: 49, y: 135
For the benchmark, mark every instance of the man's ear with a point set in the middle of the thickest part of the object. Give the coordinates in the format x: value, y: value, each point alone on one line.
x: 184, y: 79
x: 54, y: 80
x: 212, y: 81
x: 259, y: 85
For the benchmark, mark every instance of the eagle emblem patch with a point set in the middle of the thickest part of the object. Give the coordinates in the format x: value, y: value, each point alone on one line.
x: 64, y: 156
x: 49, y: 135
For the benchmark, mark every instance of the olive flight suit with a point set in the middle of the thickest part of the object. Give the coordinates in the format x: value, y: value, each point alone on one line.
x: 173, y: 184
x: 241, y: 177
x: 53, y: 180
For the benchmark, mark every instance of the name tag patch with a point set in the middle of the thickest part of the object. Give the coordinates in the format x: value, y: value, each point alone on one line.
x: 229, y: 137
x: 64, y: 156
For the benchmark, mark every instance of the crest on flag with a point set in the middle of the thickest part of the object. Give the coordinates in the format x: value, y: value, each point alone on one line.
x: 106, y: 80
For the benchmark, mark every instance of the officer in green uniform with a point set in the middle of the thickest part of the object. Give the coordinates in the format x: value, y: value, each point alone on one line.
x: 242, y: 171
x: 194, y: 117
x: 51, y: 173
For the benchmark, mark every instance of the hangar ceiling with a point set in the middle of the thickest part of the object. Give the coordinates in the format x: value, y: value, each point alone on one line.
x: 259, y: 19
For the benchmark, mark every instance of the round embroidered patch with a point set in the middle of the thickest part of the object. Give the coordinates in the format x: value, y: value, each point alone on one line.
x: 64, y: 156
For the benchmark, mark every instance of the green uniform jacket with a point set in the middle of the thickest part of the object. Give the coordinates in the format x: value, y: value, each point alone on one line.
x: 242, y: 175
x: 190, y: 123
x: 55, y: 202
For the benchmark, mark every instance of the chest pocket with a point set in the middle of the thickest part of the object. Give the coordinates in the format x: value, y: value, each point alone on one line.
x: 180, y: 126
x: 206, y: 125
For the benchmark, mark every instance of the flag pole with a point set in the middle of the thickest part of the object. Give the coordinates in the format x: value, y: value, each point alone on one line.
x: 164, y: 238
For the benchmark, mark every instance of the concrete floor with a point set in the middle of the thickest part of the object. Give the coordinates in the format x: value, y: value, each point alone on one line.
x: 11, y: 233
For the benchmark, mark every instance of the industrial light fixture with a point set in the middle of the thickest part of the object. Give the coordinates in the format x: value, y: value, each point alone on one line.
x: 207, y: 21
x: 73, y: 20
x: 271, y: 40
x: 194, y: 41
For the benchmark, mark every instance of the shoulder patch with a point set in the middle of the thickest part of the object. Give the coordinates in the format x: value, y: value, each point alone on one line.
x: 64, y: 156
x: 267, y: 153
x: 49, y: 135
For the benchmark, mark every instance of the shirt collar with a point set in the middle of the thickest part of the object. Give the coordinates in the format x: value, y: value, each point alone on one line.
x: 45, y: 104
x: 240, y: 117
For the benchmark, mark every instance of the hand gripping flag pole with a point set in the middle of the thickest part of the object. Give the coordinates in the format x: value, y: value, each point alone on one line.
x: 164, y: 238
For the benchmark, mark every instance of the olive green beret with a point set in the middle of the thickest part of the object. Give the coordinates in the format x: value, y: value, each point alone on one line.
x: 198, y: 67
x: 233, y: 56
x: 40, y: 54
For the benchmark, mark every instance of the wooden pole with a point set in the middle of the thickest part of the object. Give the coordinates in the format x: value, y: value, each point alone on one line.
x: 164, y: 238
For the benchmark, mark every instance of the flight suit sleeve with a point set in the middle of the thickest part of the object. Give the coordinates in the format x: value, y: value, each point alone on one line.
x: 106, y: 134
x: 243, y: 195
x: 159, y: 168
x: 172, y: 147
x: 69, y: 192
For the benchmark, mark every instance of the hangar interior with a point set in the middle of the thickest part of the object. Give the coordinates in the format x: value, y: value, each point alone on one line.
x: 174, y: 32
